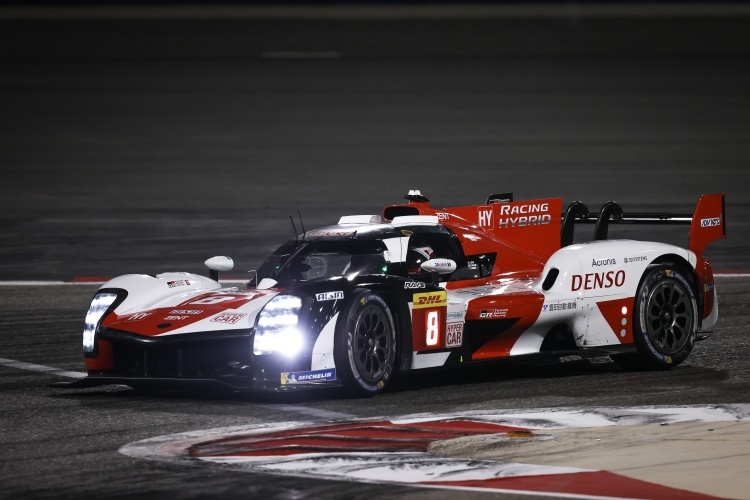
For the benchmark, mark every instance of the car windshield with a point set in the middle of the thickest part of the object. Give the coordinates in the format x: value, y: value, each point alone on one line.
x: 296, y: 262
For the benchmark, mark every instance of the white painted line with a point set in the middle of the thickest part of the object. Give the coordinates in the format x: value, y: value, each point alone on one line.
x: 40, y: 368
x: 314, y: 412
x: 41, y: 283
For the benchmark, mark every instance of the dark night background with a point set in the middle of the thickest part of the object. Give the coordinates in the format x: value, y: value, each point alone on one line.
x: 142, y: 137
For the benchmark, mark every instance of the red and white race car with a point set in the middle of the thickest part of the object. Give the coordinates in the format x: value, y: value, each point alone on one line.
x: 414, y: 288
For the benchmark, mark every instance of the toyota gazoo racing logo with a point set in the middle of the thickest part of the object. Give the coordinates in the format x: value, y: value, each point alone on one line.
x: 492, y: 313
x: 711, y: 222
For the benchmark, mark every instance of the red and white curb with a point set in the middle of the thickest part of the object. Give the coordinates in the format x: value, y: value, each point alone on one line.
x: 397, y: 450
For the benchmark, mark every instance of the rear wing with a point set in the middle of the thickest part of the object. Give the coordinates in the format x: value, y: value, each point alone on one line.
x: 707, y: 223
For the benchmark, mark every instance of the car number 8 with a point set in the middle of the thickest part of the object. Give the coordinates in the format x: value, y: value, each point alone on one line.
x: 433, y: 327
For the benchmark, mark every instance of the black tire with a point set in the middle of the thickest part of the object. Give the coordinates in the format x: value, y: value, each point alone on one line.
x: 365, y: 345
x: 665, y: 318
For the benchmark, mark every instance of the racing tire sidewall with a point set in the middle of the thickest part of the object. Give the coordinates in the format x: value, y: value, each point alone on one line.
x: 650, y: 354
x: 344, y: 345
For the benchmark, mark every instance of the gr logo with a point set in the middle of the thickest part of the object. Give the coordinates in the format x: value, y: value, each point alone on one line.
x: 485, y: 217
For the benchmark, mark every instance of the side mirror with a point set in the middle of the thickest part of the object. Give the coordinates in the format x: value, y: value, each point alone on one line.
x: 218, y: 263
x: 437, y: 267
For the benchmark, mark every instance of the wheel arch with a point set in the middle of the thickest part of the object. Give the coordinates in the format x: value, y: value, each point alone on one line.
x: 682, y: 265
x: 396, y: 301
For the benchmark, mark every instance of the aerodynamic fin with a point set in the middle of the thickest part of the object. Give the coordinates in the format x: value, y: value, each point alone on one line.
x: 709, y: 222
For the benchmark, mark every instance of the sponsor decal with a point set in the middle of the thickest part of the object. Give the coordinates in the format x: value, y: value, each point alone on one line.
x: 331, y: 233
x: 558, y: 306
x: 710, y: 222
x: 708, y: 287
x: 603, y: 262
x: 291, y: 378
x: 406, y: 232
x: 176, y: 283
x: 439, y: 264
x: 185, y: 311
x: 485, y: 217
x: 454, y: 335
x: 524, y: 214
x: 493, y: 313
x: 430, y: 299
x: 337, y: 295
x: 457, y: 315
x: 229, y: 318
x: 639, y: 258
x: 139, y: 316
x: 176, y: 318
x: 443, y: 215
x: 414, y: 284
x: 593, y: 281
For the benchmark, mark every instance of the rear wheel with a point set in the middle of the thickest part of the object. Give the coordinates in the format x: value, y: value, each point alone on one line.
x: 365, y: 344
x: 665, y: 318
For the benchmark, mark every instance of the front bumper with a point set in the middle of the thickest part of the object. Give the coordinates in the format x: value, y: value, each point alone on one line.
x: 215, y: 361
x: 198, y: 385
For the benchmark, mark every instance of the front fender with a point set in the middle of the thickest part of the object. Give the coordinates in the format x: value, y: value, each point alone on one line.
x: 146, y: 291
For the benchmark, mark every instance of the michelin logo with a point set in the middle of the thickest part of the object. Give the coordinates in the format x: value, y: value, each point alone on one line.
x: 291, y: 378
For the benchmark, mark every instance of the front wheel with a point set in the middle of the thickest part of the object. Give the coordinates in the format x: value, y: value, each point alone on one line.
x: 365, y: 344
x: 665, y: 318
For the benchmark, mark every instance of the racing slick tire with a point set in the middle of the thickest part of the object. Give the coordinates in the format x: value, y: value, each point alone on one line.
x: 365, y: 344
x: 665, y: 319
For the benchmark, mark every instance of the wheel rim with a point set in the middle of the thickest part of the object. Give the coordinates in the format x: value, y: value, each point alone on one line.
x: 669, y: 316
x: 372, y: 343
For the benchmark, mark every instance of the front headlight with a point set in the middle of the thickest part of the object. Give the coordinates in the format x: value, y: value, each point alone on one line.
x: 99, y: 306
x: 276, y: 330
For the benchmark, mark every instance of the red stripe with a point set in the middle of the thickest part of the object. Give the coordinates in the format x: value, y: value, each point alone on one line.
x: 347, y: 438
x: 598, y: 483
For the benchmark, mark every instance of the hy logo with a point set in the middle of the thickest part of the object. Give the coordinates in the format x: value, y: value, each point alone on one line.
x: 485, y: 217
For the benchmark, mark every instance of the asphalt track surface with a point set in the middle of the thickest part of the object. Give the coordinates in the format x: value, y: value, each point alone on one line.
x: 148, y: 166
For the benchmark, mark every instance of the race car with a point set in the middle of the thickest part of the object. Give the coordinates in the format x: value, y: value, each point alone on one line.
x: 413, y: 288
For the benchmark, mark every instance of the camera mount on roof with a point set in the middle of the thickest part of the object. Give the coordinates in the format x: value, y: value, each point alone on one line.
x: 416, y: 195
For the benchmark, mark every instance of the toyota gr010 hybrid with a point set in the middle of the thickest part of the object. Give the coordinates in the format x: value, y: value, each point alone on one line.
x: 414, y: 288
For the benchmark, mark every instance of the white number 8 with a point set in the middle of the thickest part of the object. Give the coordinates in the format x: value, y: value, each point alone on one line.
x: 433, y: 327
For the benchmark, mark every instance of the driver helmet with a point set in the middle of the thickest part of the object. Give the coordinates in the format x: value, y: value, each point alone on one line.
x: 415, y: 257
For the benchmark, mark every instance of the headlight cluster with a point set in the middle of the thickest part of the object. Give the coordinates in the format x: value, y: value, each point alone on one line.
x: 276, y: 331
x: 98, y: 307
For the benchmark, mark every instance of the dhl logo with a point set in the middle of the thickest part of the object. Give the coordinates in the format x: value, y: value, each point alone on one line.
x: 430, y: 299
